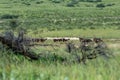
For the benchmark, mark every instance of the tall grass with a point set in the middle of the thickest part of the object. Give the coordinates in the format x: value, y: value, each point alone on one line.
x: 16, y: 67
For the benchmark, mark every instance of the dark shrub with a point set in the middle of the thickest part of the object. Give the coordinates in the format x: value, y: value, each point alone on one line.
x: 39, y: 2
x: 70, y: 5
x: 8, y: 16
x: 94, y: 0
x: 90, y: 0
x: 82, y: 0
x: 110, y: 4
x: 98, y: 0
x: 56, y: 1
x: 26, y: 3
x: 101, y: 5
x: 92, y: 27
x: 13, y: 24
x: 75, y: 1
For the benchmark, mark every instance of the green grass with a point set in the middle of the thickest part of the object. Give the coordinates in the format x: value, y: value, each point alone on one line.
x: 102, y: 33
x: 14, y: 67
x: 17, y: 67
x: 49, y: 19
x: 59, y: 16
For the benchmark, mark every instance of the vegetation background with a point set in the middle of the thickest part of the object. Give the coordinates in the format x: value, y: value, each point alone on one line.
x: 60, y: 18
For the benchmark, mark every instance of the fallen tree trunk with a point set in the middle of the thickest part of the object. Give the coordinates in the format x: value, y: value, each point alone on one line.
x: 17, y: 45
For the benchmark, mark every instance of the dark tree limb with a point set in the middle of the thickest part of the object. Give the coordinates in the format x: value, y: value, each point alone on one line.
x: 17, y: 45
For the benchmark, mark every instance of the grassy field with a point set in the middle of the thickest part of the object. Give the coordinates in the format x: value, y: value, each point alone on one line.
x: 16, y: 67
x: 57, y: 16
x: 102, y: 33
x: 48, y: 18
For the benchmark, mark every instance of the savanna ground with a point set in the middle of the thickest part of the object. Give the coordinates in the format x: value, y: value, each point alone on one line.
x: 48, y: 18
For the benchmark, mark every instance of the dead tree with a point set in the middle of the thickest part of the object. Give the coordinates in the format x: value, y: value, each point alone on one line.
x: 86, y: 47
x: 20, y: 36
x: 101, y: 48
x: 70, y: 47
x: 16, y: 44
x: 73, y: 51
